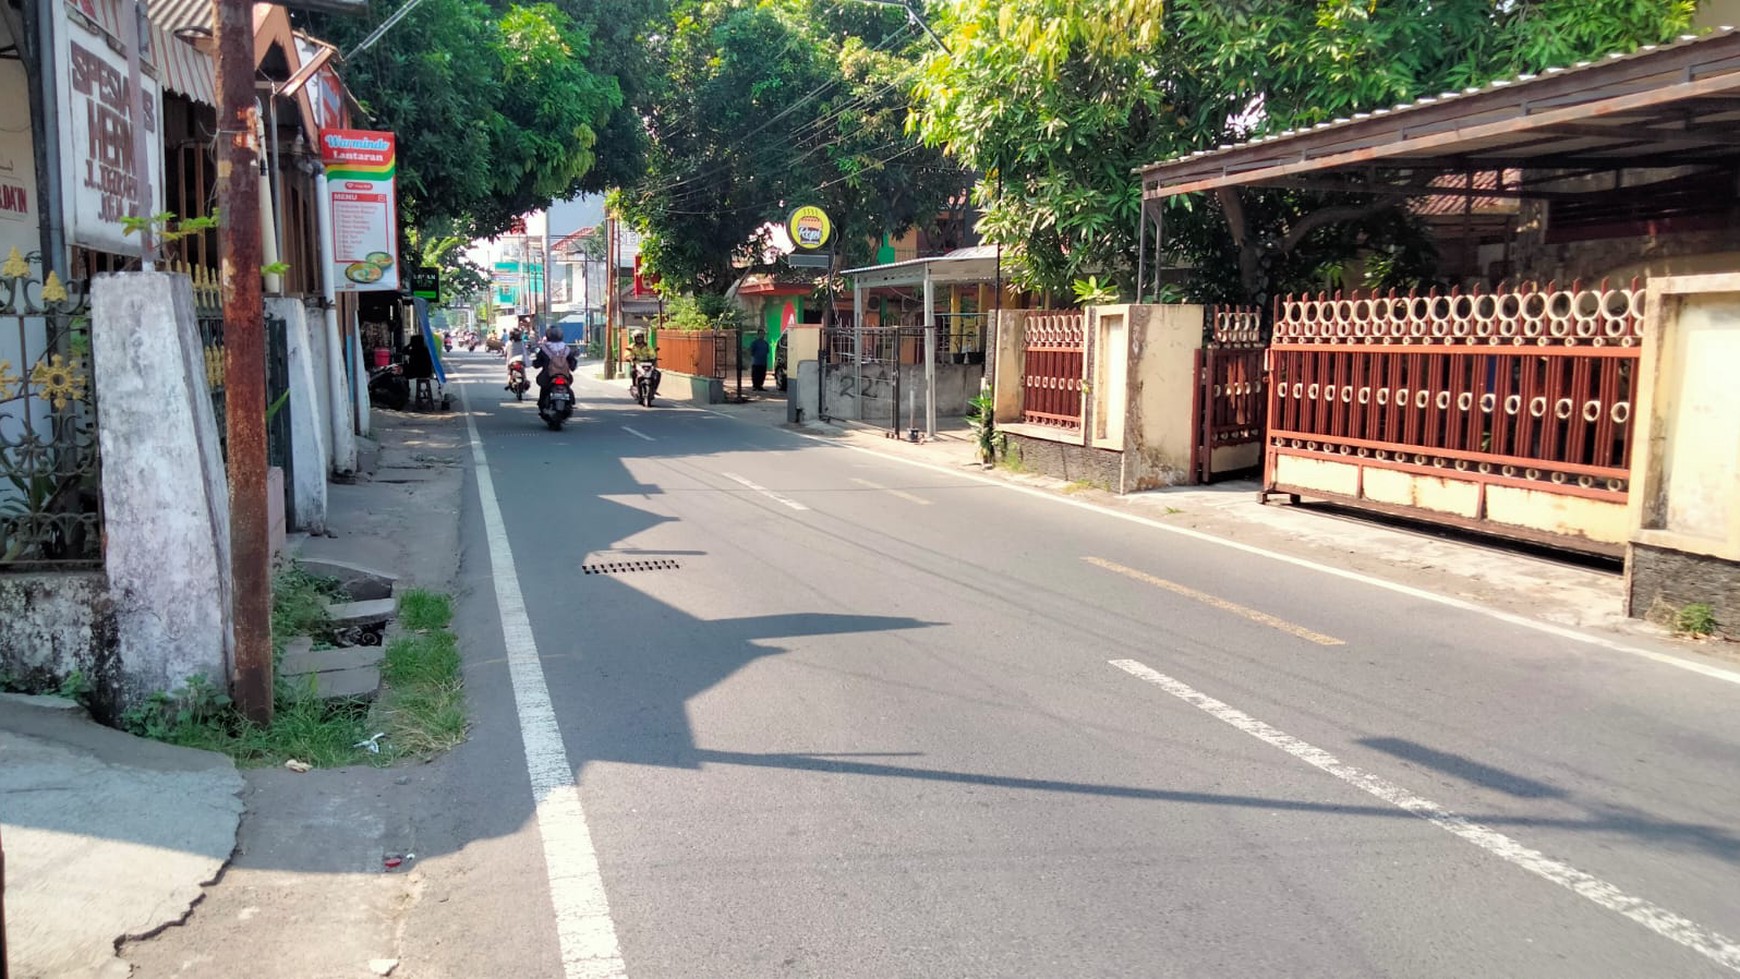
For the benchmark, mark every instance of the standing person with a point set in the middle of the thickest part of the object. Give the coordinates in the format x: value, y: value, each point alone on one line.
x: 758, y: 359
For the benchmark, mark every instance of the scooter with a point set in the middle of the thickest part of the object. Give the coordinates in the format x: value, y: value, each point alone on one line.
x: 556, y: 402
x: 517, y: 382
x: 646, y: 382
x: 388, y: 387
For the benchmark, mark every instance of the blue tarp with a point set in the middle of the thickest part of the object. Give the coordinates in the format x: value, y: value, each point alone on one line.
x: 428, y: 332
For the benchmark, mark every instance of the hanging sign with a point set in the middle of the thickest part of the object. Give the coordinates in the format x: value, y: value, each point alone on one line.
x: 101, y: 185
x: 426, y: 284
x: 809, y: 227
x: 360, y: 167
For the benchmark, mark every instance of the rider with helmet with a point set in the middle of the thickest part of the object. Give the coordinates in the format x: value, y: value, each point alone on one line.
x: 554, y: 357
x: 640, y: 352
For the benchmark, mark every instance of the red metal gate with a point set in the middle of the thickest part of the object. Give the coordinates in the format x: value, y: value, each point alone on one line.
x: 1231, y: 398
x: 1525, y: 389
x: 1054, y: 370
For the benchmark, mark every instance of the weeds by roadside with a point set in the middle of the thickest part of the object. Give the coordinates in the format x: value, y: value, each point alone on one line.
x: 421, y: 709
x: 1697, y: 620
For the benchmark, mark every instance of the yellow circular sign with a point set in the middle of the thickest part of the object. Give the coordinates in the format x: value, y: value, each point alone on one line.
x: 809, y: 227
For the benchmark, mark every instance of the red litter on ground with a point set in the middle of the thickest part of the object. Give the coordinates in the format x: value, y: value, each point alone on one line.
x: 393, y: 862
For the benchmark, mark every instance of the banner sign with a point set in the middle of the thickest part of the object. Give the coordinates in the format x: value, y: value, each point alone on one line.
x: 96, y: 110
x: 360, y: 168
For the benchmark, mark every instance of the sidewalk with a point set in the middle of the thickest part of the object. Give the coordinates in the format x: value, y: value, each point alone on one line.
x: 1565, y: 592
x: 189, y: 867
x: 106, y: 836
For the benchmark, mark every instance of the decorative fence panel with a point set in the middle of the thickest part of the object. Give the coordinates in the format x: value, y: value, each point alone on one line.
x: 1475, y: 409
x: 50, y: 475
x: 1231, y: 396
x: 1055, y: 369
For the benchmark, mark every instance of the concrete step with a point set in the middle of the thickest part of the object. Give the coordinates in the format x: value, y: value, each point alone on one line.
x: 301, y: 658
x: 374, y: 611
x: 360, y: 582
x: 361, y: 681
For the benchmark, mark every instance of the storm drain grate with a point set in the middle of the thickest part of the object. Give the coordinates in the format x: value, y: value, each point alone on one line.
x: 628, y: 567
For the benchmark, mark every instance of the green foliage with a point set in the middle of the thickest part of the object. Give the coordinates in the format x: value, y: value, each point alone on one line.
x: 424, y: 610
x: 76, y: 686
x: 1697, y: 619
x: 497, y: 108
x: 1054, y: 102
x: 1092, y: 292
x: 982, y: 419
x: 763, y: 105
x: 299, y: 602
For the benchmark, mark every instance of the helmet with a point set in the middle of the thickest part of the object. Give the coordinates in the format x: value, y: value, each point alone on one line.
x: 637, y: 335
x: 553, y: 334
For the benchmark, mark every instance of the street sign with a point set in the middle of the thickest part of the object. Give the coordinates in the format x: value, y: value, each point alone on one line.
x: 426, y: 284
x: 799, y: 260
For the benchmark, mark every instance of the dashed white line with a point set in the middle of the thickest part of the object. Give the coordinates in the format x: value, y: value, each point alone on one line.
x: 1563, y: 632
x: 764, y: 491
x: 1660, y: 920
x: 900, y: 494
x: 636, y: 434
x: 584, y: 930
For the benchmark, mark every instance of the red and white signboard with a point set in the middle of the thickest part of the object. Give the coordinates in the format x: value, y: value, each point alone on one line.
x: 360, y: 168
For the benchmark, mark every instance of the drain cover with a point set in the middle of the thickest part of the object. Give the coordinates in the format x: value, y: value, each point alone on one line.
x: 629, y: 567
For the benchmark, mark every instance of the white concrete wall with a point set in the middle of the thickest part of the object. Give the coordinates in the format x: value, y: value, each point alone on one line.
x: 359, y: 387
x: 308, y: 427
x: 165, y: 498
x: 342, y: 427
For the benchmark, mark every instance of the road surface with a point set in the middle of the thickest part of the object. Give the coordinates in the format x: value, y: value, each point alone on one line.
x: 829, y: 714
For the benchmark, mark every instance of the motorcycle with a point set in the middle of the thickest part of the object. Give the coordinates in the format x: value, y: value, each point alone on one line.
x: 517, y: 382
x: 556, y: 402
x: 388, y: 387
x: 645, y: 382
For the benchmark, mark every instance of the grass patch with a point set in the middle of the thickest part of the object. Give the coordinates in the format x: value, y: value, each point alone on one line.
x: 1697, y: 620
x: 421, y: 710
x: 1173, y: 511
x: 424, y: 610
x: 1012, y: 460
x: 1079, y: 486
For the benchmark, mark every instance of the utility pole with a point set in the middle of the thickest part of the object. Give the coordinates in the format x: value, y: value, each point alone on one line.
x: 238, y: 174
x: 611, y: 300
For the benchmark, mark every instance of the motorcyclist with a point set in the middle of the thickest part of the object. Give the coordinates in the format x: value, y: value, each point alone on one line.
x: 516, y: 353
x: 640, y: 352
x: 554, y: 357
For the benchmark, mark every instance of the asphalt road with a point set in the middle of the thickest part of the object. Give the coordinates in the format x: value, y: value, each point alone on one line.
x: 857, y: 718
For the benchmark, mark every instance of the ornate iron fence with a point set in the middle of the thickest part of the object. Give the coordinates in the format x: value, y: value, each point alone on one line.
x: 208, y: 305
x: 1054, y: 369
x: 1231, y: 395
x: 50, y: 475
x: 1529, y: 388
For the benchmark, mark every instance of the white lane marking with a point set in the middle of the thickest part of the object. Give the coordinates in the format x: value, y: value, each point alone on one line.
x: 1214, y: 601
x: 636, y: 434
x: 1658, y: 919
x: 1511, y: 618
x: 764, y: 491
x: 902, y: 494
x: 583, y: 927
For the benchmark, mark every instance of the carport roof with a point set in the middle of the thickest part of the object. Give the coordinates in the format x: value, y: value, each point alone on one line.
x: 1670, y: 105
x: 963, y: 265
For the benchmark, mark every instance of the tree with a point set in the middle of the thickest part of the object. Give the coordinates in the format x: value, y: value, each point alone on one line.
x: 1056, y: 101
x: 495, y: 107
x: 767, y: 104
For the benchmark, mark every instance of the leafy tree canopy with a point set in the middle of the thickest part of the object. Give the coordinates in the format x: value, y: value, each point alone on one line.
x: 497, y: 106
x: 1056, y: 101
x: 765, y: 105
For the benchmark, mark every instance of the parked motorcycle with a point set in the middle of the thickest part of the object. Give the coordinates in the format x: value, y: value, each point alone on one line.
x: 556, y: 402
x: 517, y: 382
x: 388, y: 387
x: 645, y: 382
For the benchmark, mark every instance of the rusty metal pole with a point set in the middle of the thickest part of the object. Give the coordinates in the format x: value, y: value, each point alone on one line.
x: 244, y: 358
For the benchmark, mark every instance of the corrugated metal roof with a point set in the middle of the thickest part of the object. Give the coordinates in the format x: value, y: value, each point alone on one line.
x: 1698, y: 64
x: 173, y: 15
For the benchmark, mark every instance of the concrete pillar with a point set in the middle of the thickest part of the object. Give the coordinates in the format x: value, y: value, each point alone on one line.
x: 858, y: 347
x: 1008, y: 361
x: 359, y: 384
x: 321, y: 359
x: 307, y: 427
x: 165, y: 499
x: 339, y: 414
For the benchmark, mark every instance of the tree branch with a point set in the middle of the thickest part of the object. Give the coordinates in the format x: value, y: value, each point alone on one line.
x: 1331, y: 215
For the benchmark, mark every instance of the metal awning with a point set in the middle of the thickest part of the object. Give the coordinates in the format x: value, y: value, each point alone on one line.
x: 977, y: 264
x: 1672, y: 105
